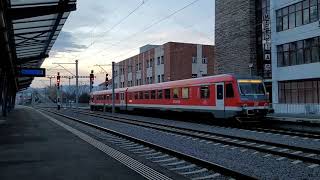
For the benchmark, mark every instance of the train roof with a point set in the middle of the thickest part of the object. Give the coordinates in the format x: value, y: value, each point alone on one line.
x: 179, y: 83
x: 169, y: 84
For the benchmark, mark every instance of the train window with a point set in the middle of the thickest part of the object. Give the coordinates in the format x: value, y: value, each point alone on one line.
x: 104, y: 97
x: 167, y: 93
x: 159, y: 94
x: 117, y: 96
x: 176, y: 93
x: 229, y: 91
x: 146, y: 94
x: 185, y: 93
x: 205, y: 92
x: 153, y: 94
x: 219, y: 92
x: 140, y: 95
x: 136, y: 95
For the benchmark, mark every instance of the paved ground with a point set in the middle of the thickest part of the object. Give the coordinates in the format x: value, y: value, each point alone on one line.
x: 32, y: 147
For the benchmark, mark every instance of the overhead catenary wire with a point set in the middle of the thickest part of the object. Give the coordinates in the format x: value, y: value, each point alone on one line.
x: 115, y: 25
x: 149, y: 26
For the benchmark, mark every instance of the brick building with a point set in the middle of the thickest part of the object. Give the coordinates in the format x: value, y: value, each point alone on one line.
x: 167, y: 62
x: 243, y: 38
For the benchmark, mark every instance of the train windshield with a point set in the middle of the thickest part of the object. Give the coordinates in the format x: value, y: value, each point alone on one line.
x: 251, y: 87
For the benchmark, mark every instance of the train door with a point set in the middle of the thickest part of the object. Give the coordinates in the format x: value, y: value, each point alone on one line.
x: 220, y: 97
x: 122, y: 100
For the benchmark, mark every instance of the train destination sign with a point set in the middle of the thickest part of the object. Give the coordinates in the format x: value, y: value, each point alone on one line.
x: 32, y: 72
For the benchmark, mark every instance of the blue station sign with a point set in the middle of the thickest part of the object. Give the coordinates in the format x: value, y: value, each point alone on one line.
x: 32, y: 72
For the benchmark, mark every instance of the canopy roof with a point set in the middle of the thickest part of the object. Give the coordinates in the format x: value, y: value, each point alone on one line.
x: 35, y: 26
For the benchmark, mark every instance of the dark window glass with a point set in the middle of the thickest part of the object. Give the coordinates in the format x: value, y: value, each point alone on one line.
x: 153, y: 94
x: 146, y: 95
x: 285, y: 11
x: 136, y: 95
x: 292, y: 20
x: 313, y: 14
x: 299, y: 6
x: 219, y: 92
x: 140, y: 95
x: 280, y: 55
x: 204, y: 92
x: 279, y: 24
x: 286, y: 54
x: 293, y: 54
x: 285, y: 21
x: 175, y: 93
x: 298, y: 18
x: 287, y: 91
x: 292, y: 9
x: 300, y: 56
x: 315, y: 94
x: 308, y: 91
x: 167, y: 93
x: 315, y: 54
x: 159, y: 94
x: 301, y: 93
x: 306, y: 16
x: 229, y: 91
x: 294, y: 92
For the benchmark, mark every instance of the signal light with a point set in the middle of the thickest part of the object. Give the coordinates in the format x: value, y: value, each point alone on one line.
x: 107, y: 80
x: 58, y: 80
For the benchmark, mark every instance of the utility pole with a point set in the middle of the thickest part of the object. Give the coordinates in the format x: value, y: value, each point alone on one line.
x: 113, y: 95
x: 77, y: 80
x: 77, y: 85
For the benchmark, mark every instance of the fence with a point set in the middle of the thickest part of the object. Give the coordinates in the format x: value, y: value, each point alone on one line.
x: 312, y: 109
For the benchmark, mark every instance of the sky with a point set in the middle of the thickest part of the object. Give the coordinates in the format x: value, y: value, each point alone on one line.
x: 98, y: 32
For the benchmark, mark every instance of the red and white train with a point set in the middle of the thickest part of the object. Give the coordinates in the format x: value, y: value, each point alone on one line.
x: 225, y: 96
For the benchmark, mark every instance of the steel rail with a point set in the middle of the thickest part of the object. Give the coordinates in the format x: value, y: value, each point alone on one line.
x: 208, y: 136
x: 200, y: 162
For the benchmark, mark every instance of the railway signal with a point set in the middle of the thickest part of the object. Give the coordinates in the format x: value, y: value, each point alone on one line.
x: 58, y: 91
x: 91, y: 80
x: 58, y: 80
x: 107, y: 80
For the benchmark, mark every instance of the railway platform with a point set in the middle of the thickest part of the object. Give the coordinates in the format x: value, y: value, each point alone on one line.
x: 34, y: 147
x: 303, y: 118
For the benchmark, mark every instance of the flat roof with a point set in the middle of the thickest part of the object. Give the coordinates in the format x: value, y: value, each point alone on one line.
x: 34, y: 26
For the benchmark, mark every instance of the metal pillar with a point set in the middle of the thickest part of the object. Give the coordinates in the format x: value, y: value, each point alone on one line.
x: 77, y: 85
x: 113, y: 95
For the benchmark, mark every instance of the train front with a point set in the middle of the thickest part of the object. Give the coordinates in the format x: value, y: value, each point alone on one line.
x: 254, y: 99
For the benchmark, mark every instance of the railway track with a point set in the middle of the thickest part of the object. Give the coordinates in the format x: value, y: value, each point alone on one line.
x: 297, y: 154
x: 179, y: 162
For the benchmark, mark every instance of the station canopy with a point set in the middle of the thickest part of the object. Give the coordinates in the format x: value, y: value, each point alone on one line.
x: 35, y: 26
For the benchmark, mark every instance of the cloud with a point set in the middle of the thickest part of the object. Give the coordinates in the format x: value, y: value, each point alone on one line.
x: 66, y: 42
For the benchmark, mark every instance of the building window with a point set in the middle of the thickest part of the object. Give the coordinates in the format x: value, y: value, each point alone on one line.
x: 194, y: 60
x: 299, y: 92
x: 204, y: 92
x: 162, y: 78
x: 151, y: 63
x: 159, y: 78
x: 158, y: 61
x: 299, y: 52
x: 185, y: 93
x: 147, y: 64
x: 298, y: 14
x: 140, y: 66
x: 162, y: 59
x: 194, y: 75
x: 205, y: 60
x: 167, y: 93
